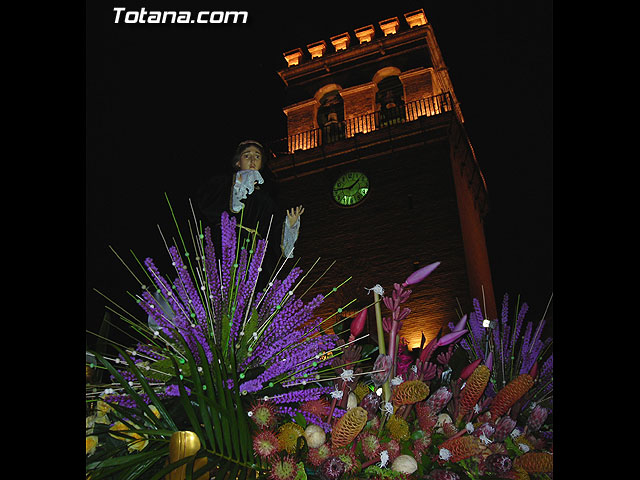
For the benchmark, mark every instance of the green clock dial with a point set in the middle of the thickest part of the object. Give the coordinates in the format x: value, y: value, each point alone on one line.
x: 350, y: 188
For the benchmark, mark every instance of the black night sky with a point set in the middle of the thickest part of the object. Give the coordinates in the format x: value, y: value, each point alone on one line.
x: 167, y: 104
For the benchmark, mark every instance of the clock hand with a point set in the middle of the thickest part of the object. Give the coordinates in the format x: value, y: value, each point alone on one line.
x: 349, y: 187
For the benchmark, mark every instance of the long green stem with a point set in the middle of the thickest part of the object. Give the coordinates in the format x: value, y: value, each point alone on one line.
x: 386, y: 389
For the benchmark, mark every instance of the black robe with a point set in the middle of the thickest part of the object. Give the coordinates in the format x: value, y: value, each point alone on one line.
x: 214, y: 197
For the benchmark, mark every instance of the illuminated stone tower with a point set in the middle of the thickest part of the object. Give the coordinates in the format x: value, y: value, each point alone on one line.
x: 378, y: 155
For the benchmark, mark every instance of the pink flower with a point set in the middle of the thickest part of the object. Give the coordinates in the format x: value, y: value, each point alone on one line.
x: 461, y: 324
x: 358, y: 323
x: 489, y: 361
x: 420, y: 274
x: 429, y: 349
x: 404, y: 359
x: 451, y: 337
x: 468, y: 370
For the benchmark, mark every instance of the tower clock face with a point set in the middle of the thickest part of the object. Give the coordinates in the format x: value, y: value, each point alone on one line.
x: 350, y: 188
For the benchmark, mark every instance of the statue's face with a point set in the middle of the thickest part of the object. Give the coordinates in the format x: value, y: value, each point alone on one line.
x: 250, y: 159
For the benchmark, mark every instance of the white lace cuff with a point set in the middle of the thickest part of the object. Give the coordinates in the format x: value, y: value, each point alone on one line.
x: 289, y: 237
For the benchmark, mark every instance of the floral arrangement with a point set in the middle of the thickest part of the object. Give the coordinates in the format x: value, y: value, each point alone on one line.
x: 234, y: 383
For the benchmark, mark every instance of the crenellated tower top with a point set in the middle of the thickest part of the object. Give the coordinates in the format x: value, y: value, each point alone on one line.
x: 393, y: 68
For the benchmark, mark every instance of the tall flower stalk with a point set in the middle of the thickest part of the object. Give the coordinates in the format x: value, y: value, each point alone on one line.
x: 214, y: 343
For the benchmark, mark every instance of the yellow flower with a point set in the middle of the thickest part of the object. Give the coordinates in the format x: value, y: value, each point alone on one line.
x: 135, y: 441
x: 102, y: 408
x: 91, y: 444
x: 118, y: 427
x: 89, y: 422
x: 138, y: 444
x: 154, y: 410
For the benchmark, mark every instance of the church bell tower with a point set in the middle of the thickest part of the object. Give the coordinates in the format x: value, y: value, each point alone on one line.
x: 378, y: 155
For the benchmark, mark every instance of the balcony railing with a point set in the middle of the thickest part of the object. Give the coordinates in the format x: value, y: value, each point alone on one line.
x: 332, y: 132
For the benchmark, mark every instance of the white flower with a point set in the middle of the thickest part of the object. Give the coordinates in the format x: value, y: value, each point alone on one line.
x: 387, y: 407
x: 396, y: 380
x: 337, y: 394
x: 469, y: 427
x: 376, y: 289
x: 515, y: 433
x: 476, y: 408
x: 524, y: 447
x: 414, y: 368
x: 444, y: 454
x: 484, y: 439
x: 384, y: 458
x: 347, y: 375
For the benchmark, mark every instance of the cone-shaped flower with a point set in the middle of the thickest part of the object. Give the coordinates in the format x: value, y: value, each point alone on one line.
x: 357, y: 325
x: 451, y: 337
x: 534, y: 370
x: 462, y: 447
x: 512, y: 392
x: 348, y: 427
x: 535, y: 462
x: 420, y: 274
x: 473, y: 390
x: 461, y: 324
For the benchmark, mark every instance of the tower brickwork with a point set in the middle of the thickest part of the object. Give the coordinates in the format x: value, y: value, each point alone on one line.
x: 375, y: 108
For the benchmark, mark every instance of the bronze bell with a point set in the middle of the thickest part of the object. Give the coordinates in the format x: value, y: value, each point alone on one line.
x: 184, y: 444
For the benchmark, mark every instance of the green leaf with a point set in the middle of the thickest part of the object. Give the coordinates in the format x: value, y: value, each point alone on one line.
x: 166, y: 367
x: 302, y: 473
x: 185, y: 401
x: 125, y: 460
x: 222, y: 470
x: 218, y: 375
x: 171, y: 467
x: 250, y: 327
x: 225, y: 331
x: 214, y: 408
x: 133, y: 394
x: 204, y: 412
x: 300, y: 420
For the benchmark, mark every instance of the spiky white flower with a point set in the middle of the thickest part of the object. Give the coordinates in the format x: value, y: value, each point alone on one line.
x: 515, y: 433
x: 484, y: 439
x: 337, y: 394
x: 387, y: 408
x: 444, y: 454
x: 347, y: 375
x: 469, y: 427
x: 396, y: 380
x: 384, y: 458
x: 476, y: 408
x: 524, y: 447
x: 377, y: 288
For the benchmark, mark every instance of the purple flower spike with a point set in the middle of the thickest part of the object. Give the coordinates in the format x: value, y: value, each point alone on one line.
x: 451, y: 337
x: 420, y: 275
x: 461, y: 324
